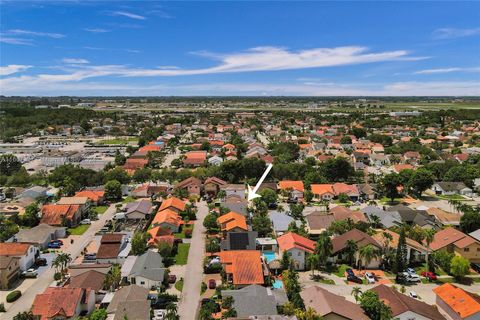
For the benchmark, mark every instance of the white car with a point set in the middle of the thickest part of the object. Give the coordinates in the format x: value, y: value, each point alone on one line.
x: 30, y: 273
x: 159, y: 314
x: 413, y: 278
x: 369, y: 277
x: 86, y: 221
x: 413, y: 294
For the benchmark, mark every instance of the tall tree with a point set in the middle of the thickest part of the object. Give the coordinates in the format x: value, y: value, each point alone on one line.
x: 429, y: 235
x: 401, y: 253
x: 324, y: 248
x: 367, y: 254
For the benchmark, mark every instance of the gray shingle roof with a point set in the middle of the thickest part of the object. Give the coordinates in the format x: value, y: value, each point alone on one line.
x: 252, y: 300
x: 150, y: 266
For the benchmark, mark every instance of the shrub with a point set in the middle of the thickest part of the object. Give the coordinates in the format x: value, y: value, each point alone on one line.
x: 13, y: 296
x: 2, y: 307
x: 188, y: 233
x: 57, y: 276
x: 214, y: 268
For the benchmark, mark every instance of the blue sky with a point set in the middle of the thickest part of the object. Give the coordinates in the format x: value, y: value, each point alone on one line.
x: 239, y: 48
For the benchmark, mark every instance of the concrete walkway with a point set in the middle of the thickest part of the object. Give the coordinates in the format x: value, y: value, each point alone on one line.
x: 41, y: 283
x: 189, y: 302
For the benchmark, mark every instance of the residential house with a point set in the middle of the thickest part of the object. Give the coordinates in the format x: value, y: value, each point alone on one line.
x: 129, y: 302
x: 444, y: 218
x: 63, y: 303
x: 318, y: 222
x: 331, y: 306
x: 138, y: 210
x: 90, y: 280
x: 281, y: 221
x: 174, y: 204
x: 350, y: 190
x: 77, y: 269
x: 213, y: 185
x: 192, y: 185
x: 297, y: 247
x: 68, y: 215
x: 26, y: 252
x: 168, y: 219
x: 232, y: 222
x: 416, y: 251
x: 252, y: 300
x: 451, y: 188
x: 195, y: 158
x: 111, y: 247
x: 343, y: 213
x: 414, y: 216
x: 41, y: 235
x: 34, y: 192
x: 215, y: 161
x: 159, y: 234
x: 404, y: 307
x: 455, y: 241
x: 362, y: 239
x: 234, y: 190
x: 239, y: 241
x: 9, y: 271
x: 459, y: 304
x: 243, y: 267
x: 291, y: 190
x: 96, y: 197
x: 235, y: 204
x: 322, y: 192
x: 148, y: 271
x: 83, y: 202
x: 388, y: 219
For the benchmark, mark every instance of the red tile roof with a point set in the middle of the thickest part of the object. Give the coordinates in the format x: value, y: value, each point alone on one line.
x: 52, y: 213
x: 464, y: 303
x: 91, y: 194
x: 173, y: 202
x: 244, y: 265
x: 322, y: 189
x: 290, y: 184
x: 446, y: 237
x: 232, y: 220
x: 14, y: 248
x: 292, y: 240
x: 167, y: 216
x: 56, y: 301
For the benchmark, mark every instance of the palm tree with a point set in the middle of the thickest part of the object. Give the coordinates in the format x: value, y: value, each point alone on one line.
x: 351, y: 248
x: 171, y: 312
x: 429, y: 235
x: 356, y: 293
x: 113, y: 278
x: 367, y: 254
x: 313, y: 261
x: 56, y: 264
x: 375, y: 221
x: 324, y: 247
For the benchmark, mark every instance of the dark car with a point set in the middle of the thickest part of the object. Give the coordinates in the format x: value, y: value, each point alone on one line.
x: 172, y: 278
x: 54, y: 245
x: 60, y: 242
x: 212, y: 284
x: 476, y: 267
x: 40, y: 262
x: 354, y: 279
x: 350, y: 272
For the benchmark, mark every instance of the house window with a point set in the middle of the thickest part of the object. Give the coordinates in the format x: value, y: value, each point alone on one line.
x: 142, y: 282
x: 466, y: 249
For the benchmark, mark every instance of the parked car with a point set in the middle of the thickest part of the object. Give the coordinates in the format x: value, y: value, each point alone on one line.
x: 411, y: 271
x: 369, y: 277
x: 212, y: 284
x: 30, y: 273
x: 158, y: 314
x: 350, y: 272
x: 476, y: 267
x: 86, y: 221
x: 58, y: 241
x: 411, y: 277
x: 40, y: 262
x: 54, y: 245
x: 413, y: 294
x: 429, y: 275
x: 172, y: 278
x: 354, y: 279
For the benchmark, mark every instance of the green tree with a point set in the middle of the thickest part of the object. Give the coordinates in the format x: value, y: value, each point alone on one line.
x: 164, y: 249
x: 113, y: 190
x: 351, y: 248
x: 139, y: 243
x: 421, y: 180
x: 470, y: 220
x: 9, y: 164
x: 262, y: 224
x: 337, y: 169
x: 429, y: 236
x: 401, y: 253
x: 268, y: 196
x: 324, y: 248
x: 367, y: 254
x: 117, y: 174
x: 313, y: 261
x: 119, y: 158
x: 346, y: 140
x: 112, y: 280
x: 374, y: 307
x: 98, y: 314
x: 210, y: 222
x: 389, y: 186
x: 459, y: 266
x: 356, y: 293
x: 443, y: 259
x: 24, y: 316
x: 212, y: 245
x: 358, y: 132
x: 30, y: 217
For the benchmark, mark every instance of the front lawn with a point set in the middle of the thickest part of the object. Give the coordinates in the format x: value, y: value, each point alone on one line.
x: 386, y: 200
x: 181, y: 235
x: 100, y: 209
x: 423, y: 267
x: 128, y: 199
x: 182, y: 253
x: 179, y: 285
x: 78, y: 231
x: 341, y: 269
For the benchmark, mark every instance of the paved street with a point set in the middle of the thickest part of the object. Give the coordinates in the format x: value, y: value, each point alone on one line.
x: 42, y: 282
x: 189, y: 301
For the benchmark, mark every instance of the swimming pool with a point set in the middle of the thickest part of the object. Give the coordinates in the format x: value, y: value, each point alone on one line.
x: 277, y: 284
x: 269, y: 256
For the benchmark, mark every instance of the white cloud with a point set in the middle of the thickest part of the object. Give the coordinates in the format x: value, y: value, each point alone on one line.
x: 75, y: 61
x: 18, y: 41
x: 452, y: 33
x: 447, y: 70
x: 35, y: 33
x: 12, y: 68
x: 128, y: 15
x: 96, y: 30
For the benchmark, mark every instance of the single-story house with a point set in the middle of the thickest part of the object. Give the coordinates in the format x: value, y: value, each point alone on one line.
x: 252, y: 300
x: 138, y: 210
x: 63, y: 303
x: 450, y: 188
x: 148, y: 271
x: 41, y: 235
x: 297, y: 247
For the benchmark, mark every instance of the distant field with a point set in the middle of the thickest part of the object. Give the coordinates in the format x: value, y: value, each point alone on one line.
x: 119, y: 141
x: 426, y: 105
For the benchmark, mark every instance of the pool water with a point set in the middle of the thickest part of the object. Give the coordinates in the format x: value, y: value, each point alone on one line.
x: 269, y: 256
x: 277, y: 284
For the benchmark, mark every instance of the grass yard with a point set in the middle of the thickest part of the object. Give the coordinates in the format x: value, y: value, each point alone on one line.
x: 179, y: 285
x: 452, y: 197
x: 340, y: 272
x: 78, y: 231
x: 181, y: 235
x: 120, y: 141
x: 423, y: 267
x: 100, y: 209
x: 182, y: 253
x: 386, y: 200
x: 128, y: 199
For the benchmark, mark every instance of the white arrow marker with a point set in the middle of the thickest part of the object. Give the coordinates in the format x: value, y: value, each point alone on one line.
x: 252, y: 194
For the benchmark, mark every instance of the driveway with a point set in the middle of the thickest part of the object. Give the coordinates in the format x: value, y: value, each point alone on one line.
x: 170, y: 157
x: 194, y: 269
x: 46, y: 278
